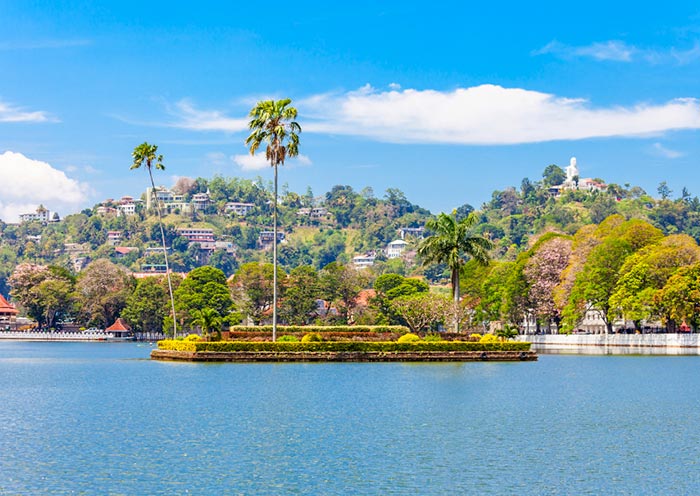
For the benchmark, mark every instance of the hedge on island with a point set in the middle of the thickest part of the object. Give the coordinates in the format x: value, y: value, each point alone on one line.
x: 339, y: 346
x: 307, y: 329
x: 327, y: 336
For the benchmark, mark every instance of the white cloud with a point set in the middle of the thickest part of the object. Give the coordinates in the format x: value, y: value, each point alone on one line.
x: 10, y: 113
x: 486, y: 115
x: 683, y: 57
x: 662, y: 151
x: 258, y: 161
x: 619, y: 51
x: 28, y: 183
x: 606, y: 50
x: 194, y: 119
x: 302, y: 160
x: 251, y: 162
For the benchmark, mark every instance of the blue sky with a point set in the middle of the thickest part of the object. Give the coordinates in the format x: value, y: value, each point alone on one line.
x: 446, y: 101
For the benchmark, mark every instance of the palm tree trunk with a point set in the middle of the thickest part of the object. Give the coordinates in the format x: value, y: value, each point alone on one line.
x: 455, y: 294
x: 165, y: 252
x: 274, y: 260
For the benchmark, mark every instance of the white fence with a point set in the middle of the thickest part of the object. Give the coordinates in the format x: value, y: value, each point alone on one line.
x: 616, y: 344
x: 57, y: 336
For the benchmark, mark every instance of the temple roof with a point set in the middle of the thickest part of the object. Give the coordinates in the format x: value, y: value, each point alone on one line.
x: 6, y: 308
x: 119, y: 325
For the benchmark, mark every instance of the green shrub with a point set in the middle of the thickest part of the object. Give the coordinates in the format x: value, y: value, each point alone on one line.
x: 339, y: 346
x: 288, y: 338
x: 409, y: 338
x: 312, y: 337
x: 432, y: 338
x: 178, y: 345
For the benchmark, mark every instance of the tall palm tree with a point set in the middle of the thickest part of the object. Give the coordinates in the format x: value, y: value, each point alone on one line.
x: 208, y: 319
x: 451, y: 242
x: 272, y: 122
x: 145, y: 155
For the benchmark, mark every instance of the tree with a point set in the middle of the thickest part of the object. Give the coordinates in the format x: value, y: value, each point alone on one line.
x: 391, y: 286
x: 145, y: 154
x: 421, y: 310
x: 299, y: 303
x: 272, y: 123
x: 647, y: 271
x: 679, y: 300
x: 252, y: 285
x: 450, y: 243
x: 204, y: 287
x: 340, y: 286
x: 208, y: 320
x: 45, y: 293
x: 543, y: 272
x: 101, y: 292
x: 553, y: 175
x: 147, y: 306
x: 599, y: 278
x: 664, y: 191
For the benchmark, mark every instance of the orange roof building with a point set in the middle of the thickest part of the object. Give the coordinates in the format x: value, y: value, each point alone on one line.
x: 8, y: 313
x: 119, y: 325
x: 120, y: 329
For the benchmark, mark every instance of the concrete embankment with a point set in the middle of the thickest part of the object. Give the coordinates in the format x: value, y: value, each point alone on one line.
x: 282, y: 356
x: 615, y: 344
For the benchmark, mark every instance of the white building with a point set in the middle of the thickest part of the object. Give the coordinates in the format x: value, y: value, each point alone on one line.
x: 239, y: 208
x: 363, y: 261
x: 127, y: 206
x: 42, y: 214
x: 168, y: 200
x: 396, y: 248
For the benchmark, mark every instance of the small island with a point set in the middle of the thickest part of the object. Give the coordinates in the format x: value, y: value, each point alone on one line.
x: 341, y: 344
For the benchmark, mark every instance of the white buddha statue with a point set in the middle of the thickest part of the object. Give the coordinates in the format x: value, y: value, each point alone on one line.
x: 571, y: 171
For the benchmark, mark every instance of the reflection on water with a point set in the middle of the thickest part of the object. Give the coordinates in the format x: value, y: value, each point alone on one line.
x: 101, y: 418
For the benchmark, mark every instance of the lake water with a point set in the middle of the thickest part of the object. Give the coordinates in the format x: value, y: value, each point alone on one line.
x: 86, y: 418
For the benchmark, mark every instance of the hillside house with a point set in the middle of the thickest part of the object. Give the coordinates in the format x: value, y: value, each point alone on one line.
x: 201, y: 201
x: 42, y: 215
x: 238, y: 208
x: 363, y: 261
x: 266, y: 237
x: 168, y: 201
x: 127, y: 206
x: 396, y: 248
x: 416, y: 232
x: 196, y: 235
x: 114, y: 237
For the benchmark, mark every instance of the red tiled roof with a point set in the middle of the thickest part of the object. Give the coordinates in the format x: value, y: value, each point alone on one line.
x: 364, y: 296
x: 5, y: 307
x: 123, y: 250
x: 119, y: 325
